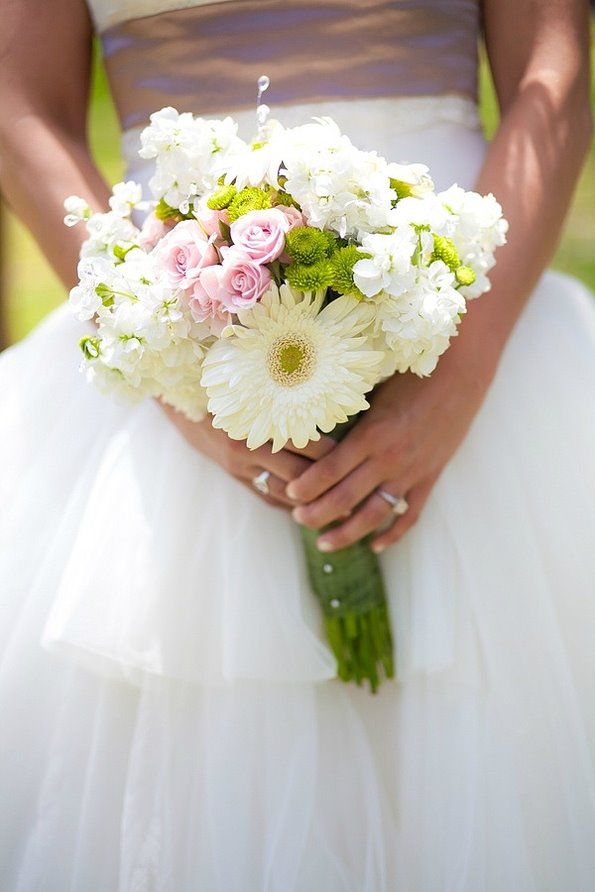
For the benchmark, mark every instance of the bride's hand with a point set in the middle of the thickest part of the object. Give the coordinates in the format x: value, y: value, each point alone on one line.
x: 400, y: 445
x: 245, y: 464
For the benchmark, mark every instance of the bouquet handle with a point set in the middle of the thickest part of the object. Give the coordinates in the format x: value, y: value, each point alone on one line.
x: 350, y: 589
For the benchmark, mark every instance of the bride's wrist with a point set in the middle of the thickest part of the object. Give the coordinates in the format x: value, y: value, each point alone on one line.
x: 474, y: 354
x: 470, y: 365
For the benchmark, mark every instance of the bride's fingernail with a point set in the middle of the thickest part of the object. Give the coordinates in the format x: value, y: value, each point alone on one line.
x: 297, y: 515
x: 290, y: 491
x: 378, y: 548
x: 324, y: 545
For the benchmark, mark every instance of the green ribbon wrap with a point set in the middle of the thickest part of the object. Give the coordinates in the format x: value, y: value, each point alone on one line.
x: 349, y: 586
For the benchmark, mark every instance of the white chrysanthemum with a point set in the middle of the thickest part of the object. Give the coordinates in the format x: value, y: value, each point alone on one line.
x: 291, y: 369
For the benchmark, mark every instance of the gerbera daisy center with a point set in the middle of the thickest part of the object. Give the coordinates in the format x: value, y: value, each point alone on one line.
x: 290, y: 360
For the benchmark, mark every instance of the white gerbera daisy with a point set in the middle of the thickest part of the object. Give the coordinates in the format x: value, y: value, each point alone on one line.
x: 291, y: 369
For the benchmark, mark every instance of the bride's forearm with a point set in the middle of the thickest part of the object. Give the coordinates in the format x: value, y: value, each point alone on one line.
x: 46, y: 58
x: 40, y: 166
x: 532, y: 164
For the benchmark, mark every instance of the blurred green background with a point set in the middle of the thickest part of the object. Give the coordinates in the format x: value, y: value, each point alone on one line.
x: 32, y: 290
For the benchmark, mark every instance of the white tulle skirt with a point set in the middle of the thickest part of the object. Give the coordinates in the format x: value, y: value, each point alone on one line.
x: 169, y: 715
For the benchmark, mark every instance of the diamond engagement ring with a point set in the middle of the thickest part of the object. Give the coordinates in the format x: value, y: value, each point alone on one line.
x: 261, y: 482
x: 398, y: 505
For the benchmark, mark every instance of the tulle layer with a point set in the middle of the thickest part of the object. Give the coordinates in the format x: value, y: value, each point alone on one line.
x: 170, y: 717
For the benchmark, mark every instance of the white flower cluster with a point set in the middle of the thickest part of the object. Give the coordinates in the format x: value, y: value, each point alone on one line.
x: 420, y: 274
x: 147, y: 343
x: 191, y: 154
x: 337, y: 186
x: 275, y: 283
x: 477, y: 228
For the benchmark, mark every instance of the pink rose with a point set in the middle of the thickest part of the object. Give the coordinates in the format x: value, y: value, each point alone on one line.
x: 243, y: 280
x: 152, y: 231
x: 210, y: 220
x: 184, y: 252
x: 295, y: 217
x: 205, y: 302
x: 261, y: 234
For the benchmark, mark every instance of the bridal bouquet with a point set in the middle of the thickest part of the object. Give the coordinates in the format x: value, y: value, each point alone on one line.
x: 273, y: 284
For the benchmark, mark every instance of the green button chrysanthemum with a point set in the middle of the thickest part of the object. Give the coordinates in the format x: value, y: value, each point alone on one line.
x: 341, y: 265
x: 222, y: 198
x: 445, y: 250
x: 309, y: 277
x: 331, y: 243
x: 307, y: 245
x: 249, y: 199
x: 464, y: 275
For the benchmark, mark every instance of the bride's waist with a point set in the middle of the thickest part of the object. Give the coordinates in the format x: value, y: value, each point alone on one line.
x: 207, y: 56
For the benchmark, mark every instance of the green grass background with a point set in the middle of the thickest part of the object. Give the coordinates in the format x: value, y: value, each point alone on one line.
x: 32, y: 289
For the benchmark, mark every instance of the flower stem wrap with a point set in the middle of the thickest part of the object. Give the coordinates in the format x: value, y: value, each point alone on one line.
x: 349, y: 586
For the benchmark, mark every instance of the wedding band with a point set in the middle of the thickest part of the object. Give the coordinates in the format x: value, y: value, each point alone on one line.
x: 261, y: 482
x: 398, y: 505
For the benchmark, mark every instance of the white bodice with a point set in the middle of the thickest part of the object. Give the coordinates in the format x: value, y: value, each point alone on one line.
x: 106, y: 13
